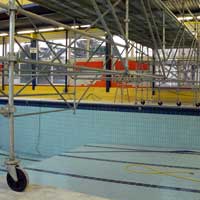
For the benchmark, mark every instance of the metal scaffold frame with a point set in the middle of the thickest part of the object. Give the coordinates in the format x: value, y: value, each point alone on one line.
x: 157, y: 37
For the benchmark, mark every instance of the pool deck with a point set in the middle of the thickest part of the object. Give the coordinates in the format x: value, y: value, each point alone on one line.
x: 122, y: 172
x: 36, y: 192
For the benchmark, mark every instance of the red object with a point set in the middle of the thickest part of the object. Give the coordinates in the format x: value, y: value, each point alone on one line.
x: 1, y: 67
x: 132, y: 65
x: 92, y: 64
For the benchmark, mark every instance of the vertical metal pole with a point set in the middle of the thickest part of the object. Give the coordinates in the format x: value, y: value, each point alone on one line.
x: 74, y: 100
x: 127, y: 34
x: 66, y: 60
x: 3, y: 54
x: 108, y: 61
x: 142, y: 71
x: 164, y: 38
x: 33, y: 51
x: 11, y: 77
x: 75, y: 83
x: 153, y: 73
x: 137, y: 62
x: 147, y: 83
x: 198, y: 66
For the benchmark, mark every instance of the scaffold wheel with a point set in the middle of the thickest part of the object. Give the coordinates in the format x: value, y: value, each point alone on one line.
x: 21, y: 184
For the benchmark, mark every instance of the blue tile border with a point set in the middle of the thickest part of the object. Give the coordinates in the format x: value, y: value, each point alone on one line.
x: 21, y: 158
x: 111, y: 107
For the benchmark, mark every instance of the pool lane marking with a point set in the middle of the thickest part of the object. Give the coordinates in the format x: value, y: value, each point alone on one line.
x: 148, y: 151
x: 28, y: 159
x: 116, y: 181
x: 129, y: 162
x: 111, y: 151
x: 131, y: 151
x: 3, y: 170
x: 3, y: 154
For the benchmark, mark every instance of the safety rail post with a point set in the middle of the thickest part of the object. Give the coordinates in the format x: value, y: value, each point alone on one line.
x: 12, y: 60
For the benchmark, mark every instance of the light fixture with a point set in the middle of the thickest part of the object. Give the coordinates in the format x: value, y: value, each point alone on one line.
x: 25, y: 32
x: 40, y: 30
x: 185, y: 18
x: 85, y: 26
x: 33, y: 31
x: 188, y: 18
x: 60, y: 28
x: 3, y: 34
x: 46, y: 30
x: 74, y: 27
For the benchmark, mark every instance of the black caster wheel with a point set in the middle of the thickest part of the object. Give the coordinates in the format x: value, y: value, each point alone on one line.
x: 197, y: 105
x: 21, y: 184
x: 160, y: 103
x: 143, y: 102
x: 178, y: 103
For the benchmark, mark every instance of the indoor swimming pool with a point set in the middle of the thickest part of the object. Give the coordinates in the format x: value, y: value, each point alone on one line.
x: 152, y: 153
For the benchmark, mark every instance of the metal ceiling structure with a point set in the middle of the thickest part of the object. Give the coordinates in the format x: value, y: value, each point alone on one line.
x: 180, y: 6
x: 83, y: 12
x: 22, y: 21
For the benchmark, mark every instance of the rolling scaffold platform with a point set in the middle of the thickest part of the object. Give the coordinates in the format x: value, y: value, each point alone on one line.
x: 149, y: 23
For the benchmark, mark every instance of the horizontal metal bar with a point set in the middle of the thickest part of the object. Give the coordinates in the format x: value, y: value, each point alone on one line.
x: 40, y: 40
x: 39, y: 113
x: 61, y: 45
x: 43, y: 94
x: 75, y: 67
x: 47, y: 63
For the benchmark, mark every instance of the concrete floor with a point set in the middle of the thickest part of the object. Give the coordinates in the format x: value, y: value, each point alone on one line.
x: 36, y: 192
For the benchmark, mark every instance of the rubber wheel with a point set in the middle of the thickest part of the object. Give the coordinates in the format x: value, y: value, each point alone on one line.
x: 143, y: 102
x: 22, y: 182
x: 197, y: 105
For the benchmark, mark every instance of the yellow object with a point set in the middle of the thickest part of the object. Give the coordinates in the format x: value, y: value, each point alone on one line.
x: 154, y: 171
x: 99, y: 94
x: 23, y: 2
x: 33, y: 35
